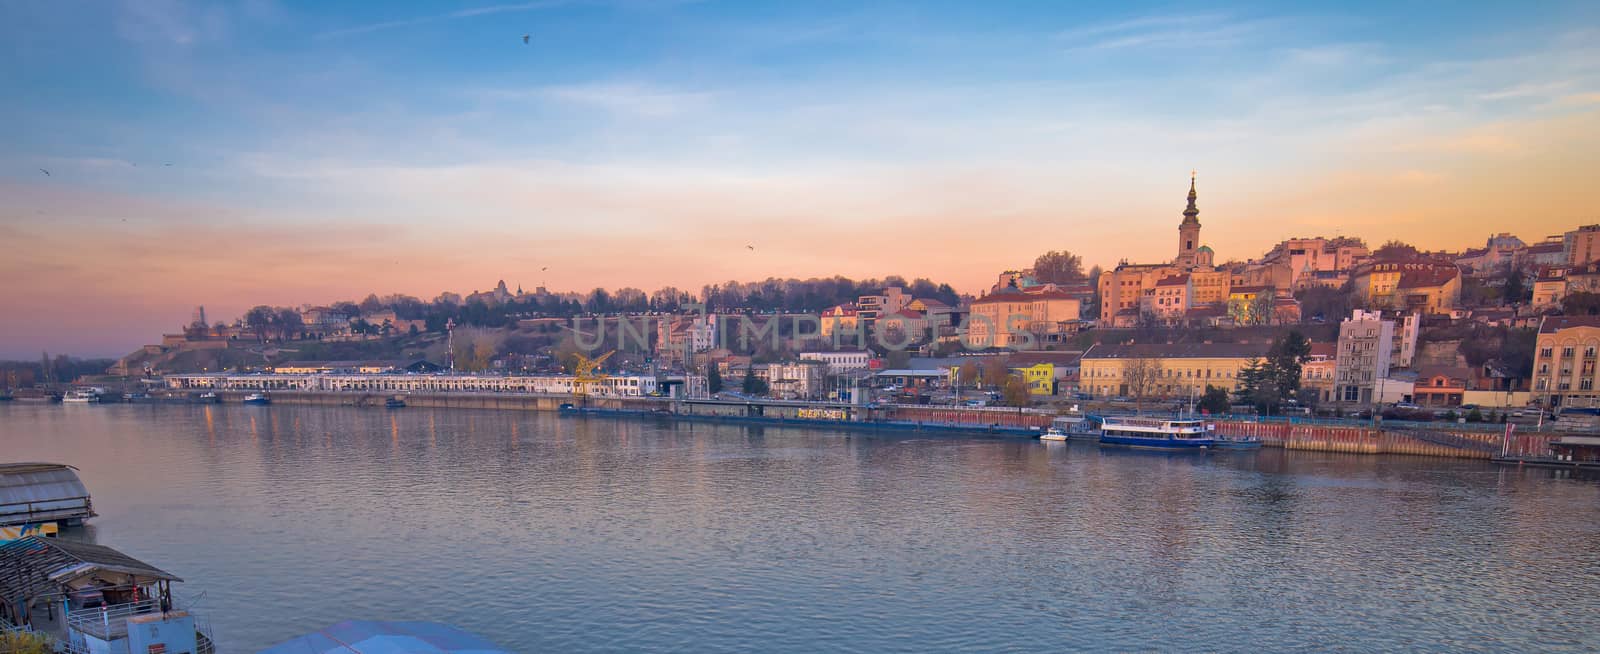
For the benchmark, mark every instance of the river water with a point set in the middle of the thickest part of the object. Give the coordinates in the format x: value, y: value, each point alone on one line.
x: 553, y: 534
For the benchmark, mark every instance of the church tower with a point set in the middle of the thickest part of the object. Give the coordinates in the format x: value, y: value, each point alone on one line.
x: 1189, y: 230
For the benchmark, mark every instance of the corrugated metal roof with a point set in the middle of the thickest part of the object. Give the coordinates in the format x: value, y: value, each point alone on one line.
x: 33, y: 566
x: 375, y: 637
x: 31, y: 492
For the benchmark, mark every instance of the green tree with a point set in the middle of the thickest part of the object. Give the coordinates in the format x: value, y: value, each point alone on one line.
x: 1253, y: 378
x: 1474, y: 415
x: 1058, y: 267
x: 752, y: 384
x: 1214, y: 401
x: 713, y: 377
x: 1268, y: 383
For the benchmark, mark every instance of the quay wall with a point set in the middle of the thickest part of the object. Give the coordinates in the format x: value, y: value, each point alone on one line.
x: 1313, y: 438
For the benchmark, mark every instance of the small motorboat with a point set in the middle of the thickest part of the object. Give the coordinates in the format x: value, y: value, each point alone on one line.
x: 1053, y: 434
x: 257, y: 398
x: 394, y: 403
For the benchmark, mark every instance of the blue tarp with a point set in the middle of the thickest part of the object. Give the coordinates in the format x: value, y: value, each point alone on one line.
x: 374, y: 637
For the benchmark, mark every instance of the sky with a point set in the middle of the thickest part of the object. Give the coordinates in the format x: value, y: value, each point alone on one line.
x: 275, y: 152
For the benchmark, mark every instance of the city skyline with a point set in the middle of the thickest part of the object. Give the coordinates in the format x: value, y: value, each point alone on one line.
x: 267, y: 153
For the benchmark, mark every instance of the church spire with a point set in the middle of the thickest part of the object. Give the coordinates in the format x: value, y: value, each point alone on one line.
x: 1191, y: 215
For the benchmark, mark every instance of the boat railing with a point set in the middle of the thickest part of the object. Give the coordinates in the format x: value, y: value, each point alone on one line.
x: 111, y: 623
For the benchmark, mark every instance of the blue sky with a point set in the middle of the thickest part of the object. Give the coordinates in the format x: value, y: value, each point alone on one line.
x: 324, y: 150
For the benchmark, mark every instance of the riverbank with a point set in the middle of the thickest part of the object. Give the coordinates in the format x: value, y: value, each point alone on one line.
x: 1007, y: 423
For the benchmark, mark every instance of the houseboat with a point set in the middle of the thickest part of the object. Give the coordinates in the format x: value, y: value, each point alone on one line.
x: 1169, y: 434
x: 257, y: 398
x: 91, y: 598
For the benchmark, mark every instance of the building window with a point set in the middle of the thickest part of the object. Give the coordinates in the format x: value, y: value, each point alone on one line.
x: 1586, y: 385
x: 1545, y: 353
x: 1567, y: 351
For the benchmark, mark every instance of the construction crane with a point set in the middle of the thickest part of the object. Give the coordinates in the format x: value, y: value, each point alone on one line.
x: 586, y: 371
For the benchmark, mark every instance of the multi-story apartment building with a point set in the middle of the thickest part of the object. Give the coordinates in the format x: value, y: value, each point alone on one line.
x: 1303, y: 258
x: 1365, y: 350
x: 998, y: 318
x: 1407, y: 334
x: 1169, y: 299
x: 1424, y: 285
x: 1317, y: 374
x: 793, y: 380
x: 1564, y: 361
x: 893, y: 300
x: 1581, y: 245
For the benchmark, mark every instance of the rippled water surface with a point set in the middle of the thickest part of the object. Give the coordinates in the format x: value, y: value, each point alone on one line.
x: 557, y: 534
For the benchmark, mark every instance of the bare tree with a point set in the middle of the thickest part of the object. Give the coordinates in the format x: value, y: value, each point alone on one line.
x: 1140, y: 376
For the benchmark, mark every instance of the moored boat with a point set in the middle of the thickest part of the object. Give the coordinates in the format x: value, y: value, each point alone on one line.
x: 208, y: 397
x: 82, y: 396
x: 394, y: 403
x: 257, y: 398
x: 1177, y: 435
x: 1053, y: 434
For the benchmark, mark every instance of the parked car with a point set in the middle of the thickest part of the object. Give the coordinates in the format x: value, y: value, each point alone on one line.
x: 1407, y: 406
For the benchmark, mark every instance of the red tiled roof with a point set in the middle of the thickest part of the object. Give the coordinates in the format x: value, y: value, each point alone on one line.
x: 1545, y: 248
x: 1324, y: 349
x: 1175, y: 280
x: 1427, y: 277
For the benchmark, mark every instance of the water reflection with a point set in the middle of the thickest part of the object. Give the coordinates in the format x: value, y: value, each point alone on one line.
x: 550, y: 533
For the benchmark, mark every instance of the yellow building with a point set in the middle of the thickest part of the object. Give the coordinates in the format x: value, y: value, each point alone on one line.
x: 1549, y: 288
x: 842, y: 317
x: 1181, y: 369
x: 1564, y: 361
x: 1040, y: 377
x: 1429, y: 287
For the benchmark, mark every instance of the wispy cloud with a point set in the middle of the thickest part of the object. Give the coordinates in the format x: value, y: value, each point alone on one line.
x: 627, y: 98
x: 454, y: 15
x: 1184, y: 31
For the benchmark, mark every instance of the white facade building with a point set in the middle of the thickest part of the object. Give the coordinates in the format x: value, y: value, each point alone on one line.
x: 838, y: 360
x: 1366, y: 350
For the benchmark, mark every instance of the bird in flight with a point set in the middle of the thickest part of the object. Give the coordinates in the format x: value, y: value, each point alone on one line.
x: 525, y: 39
x: 46, y: 172
x: 166, y: 164
x: 544, y: 268
x: 751, y: 247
